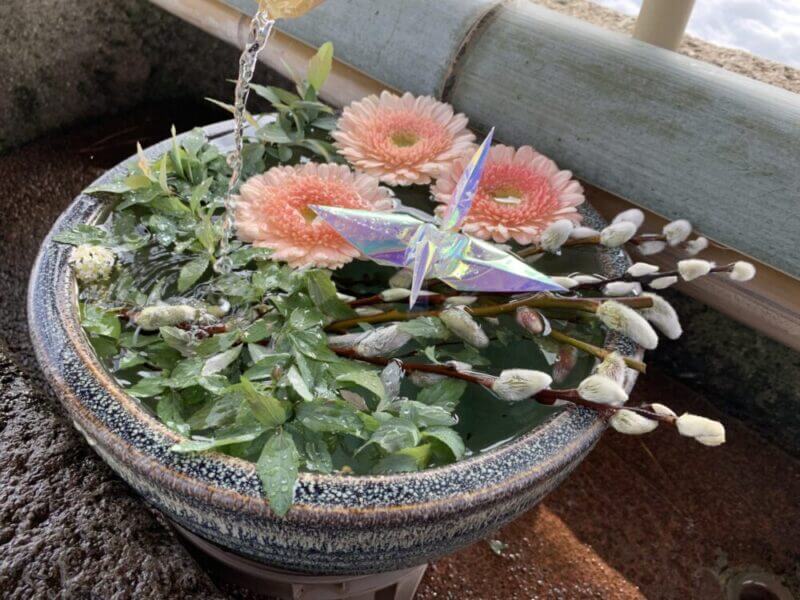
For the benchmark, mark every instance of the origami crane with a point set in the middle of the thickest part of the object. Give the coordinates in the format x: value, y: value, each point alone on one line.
x: 437, y: 250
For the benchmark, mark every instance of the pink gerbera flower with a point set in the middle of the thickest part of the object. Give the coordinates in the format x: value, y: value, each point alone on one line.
x: 403, y: 140
x: 521, y: 192
x: 272, y: 211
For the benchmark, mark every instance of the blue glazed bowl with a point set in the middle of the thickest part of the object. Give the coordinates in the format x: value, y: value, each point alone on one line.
x: 339, y: 525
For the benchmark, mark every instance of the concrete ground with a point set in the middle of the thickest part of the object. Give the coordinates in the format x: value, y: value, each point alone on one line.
x: 654, y: 517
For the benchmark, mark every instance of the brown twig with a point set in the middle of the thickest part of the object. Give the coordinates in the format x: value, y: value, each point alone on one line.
x: 595, y: 351
x: 539, y: 301
x: 548, y: 397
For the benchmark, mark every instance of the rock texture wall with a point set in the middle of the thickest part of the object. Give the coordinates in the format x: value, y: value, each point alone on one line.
x: 61, y: 62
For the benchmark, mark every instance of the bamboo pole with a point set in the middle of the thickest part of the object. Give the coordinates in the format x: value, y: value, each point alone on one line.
x: 285, y: 54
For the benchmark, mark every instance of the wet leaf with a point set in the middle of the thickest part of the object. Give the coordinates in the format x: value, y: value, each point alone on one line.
x: 278, y: 468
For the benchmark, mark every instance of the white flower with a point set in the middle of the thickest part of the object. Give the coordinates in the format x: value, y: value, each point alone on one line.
x: 631, y: 423
x: 632, y: 215
x: 706, y: 431
x: 401, y: 279
x: 382, y: 341
x: 461, y: 323
x: 651, y: 247
x: 662, y: 410
x: 368, y: 311
x: 663, y: 316
x: 692, y: 268
x: 742, y: 271
x: 662, y: 283
x: 613, y: 366
x: 641, y: 268
x: 345, y: 297
x: 458, y: 365
x: 394, y: 294
x: 565, y: 282
x: 92, y: 263
x: 696, y: 246
x: 627, y: 321
x: 677, y: 231
x: 153, y: 317
x: 622, y: 288
x: 517, y: 384
x: 585, y: 278
x: 617, y: 234
x: 533, y: 321
x: 581, y: 233
x: 460, y: 300
x: 554, y: 236
x: 601, y: 389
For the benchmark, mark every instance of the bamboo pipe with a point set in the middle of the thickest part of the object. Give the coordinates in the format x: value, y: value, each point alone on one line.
x: 284, y: 54
x: 769, y: 303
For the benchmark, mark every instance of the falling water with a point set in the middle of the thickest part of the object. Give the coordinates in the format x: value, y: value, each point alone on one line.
x: 260, y: 28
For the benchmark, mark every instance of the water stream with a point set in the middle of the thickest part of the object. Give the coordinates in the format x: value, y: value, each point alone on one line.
x: 260, y: 28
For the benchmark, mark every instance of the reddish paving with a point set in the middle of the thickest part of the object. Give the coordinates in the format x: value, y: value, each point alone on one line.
x: 657, y: 516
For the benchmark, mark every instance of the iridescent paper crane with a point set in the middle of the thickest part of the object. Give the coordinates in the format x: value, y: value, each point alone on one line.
x: 436, y: 249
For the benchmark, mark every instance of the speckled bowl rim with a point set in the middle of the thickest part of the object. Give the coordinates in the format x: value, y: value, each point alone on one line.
x: 558, y: 442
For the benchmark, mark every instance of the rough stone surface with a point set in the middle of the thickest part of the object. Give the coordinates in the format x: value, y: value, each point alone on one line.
x: 65, y: 61
x: 68, y: 526
x: 746, y: 374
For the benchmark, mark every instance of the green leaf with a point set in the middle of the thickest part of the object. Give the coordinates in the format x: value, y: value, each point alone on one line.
x: 323, y: 294
x: 298, y: 384
x: 445, y: 393
x: 395, y: 434
x: 191, y: 272
x: 266, y: 408
x: 395, y: 463
x: 186, y: 373
x: 199, y: 193
x: 449, y: 438
x: 370, y: 380
x: 217, y: 343
x: 264, y: 367
x: 168, y: 410
x: 99, y: 321
x: 421, y: 454
x: 117, y: 187
x: 180, y: 340
x: 258, y: 331
x: 425, y: 415
x: 220, y: 361
x: 82, y: 234
x: 235, y: 436
x: 330, y: 416
x: 278, y: 468
x: 147, y: 387
x: 319, y: 67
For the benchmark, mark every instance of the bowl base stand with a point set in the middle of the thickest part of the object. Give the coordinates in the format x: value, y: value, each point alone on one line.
x: 267, y: 582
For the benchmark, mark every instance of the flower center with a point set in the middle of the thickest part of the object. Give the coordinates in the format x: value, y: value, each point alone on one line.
x: 308, y: 214
x: 404, y: 139
x: 506, y: 195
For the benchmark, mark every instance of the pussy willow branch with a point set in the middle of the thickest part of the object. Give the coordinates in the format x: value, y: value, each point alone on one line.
x: 548, y: 397
x: 592, y: 240
x: 644, y: 279
x: 595, y: 351
x: 589, y: 305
